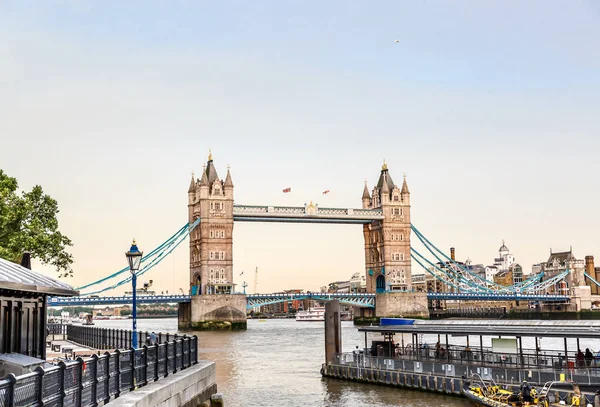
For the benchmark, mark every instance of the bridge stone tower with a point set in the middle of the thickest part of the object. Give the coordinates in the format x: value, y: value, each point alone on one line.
x: 214, y: 304
x: 211, y: 243
x: 387, y: 241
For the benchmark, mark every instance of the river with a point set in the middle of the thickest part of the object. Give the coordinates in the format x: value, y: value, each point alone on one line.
x: 276, y: 362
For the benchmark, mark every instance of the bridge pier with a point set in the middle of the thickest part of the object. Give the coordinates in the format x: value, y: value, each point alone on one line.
x: 402, y: 304
x: 218, y: 312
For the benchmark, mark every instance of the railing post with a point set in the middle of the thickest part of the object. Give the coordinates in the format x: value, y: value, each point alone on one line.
x: 80, y: 376
x: 11, y: 390
x: 118, y: 371
x: 94, y: 381
x: 133, y: 372
x: 40, y: 388
x: 156, y: 361
x: 166, y: 359
x: 145, y: 365
x: 107, y: 382
x: 195, y: 345
x: 61, y: 383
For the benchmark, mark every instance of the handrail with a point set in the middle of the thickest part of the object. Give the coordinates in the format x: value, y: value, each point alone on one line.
x: 99, y: 379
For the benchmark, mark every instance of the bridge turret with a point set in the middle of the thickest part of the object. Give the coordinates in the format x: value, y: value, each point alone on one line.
x: 405, y: 193
x: 191, y: 198
x: 203, y: 184
x: 228, y: 185
x: 366, y: 198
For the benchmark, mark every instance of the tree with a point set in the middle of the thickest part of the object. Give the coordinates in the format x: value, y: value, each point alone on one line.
x: 28, y: 224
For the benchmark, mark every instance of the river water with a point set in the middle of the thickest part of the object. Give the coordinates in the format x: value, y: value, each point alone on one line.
x: 276, y: 362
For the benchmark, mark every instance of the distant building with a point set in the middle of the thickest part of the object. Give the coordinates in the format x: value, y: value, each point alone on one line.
x: 558, y: 263
x: 339, y: 287
x: 358, y: 283
x: 536, y: 269
x: 490, y: 273
x: 504, y: 259
x: 594, y: 273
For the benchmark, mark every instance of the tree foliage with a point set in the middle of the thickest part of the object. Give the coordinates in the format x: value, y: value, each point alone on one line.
x: 28, y: 223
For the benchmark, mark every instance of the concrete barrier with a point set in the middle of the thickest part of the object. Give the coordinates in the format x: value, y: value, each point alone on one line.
x: 189, y: 387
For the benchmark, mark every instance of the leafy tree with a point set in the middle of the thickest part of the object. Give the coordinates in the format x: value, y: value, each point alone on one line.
x: 28, y: 224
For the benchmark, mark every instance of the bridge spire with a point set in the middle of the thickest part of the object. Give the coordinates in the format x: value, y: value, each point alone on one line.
x: 228, y: 181
x: 366, y: 194
x: 404, y: 187
x: 192, y: 184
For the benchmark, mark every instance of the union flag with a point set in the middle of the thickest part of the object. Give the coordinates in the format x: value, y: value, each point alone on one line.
x: 287, y: 190
x: 325, y: 192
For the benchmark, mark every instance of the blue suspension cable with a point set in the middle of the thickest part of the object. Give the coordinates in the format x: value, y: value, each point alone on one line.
x: 451, y: 269
x: 155, y: 261
x: 146, y: 257
x: 499, y: 287
x: 429, y: 271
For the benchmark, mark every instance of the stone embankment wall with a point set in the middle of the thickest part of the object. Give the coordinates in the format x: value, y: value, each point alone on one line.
x: 190, y: 387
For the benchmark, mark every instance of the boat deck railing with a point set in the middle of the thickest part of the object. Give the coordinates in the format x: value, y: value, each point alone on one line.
x: 500, y: 372
x: 529, y: 359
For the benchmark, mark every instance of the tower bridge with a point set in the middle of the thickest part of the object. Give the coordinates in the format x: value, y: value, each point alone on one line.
x: 385, y: 220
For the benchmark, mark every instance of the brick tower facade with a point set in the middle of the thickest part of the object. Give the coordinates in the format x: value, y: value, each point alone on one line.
x: 211, y: 243
x: 387, y: 241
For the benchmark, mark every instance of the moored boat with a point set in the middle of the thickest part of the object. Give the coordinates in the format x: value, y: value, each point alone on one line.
x: 313, y: 314
x: 491, y: 395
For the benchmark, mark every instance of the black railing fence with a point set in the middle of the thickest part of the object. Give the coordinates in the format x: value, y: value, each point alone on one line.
x: 108, y: 338
x: 98, y: 379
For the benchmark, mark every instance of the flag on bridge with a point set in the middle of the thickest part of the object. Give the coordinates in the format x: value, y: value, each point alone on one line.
x: 287, y: 190
x: 325, y: 192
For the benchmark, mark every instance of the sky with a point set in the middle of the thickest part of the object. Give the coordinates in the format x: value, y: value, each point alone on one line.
x: 490, y: 108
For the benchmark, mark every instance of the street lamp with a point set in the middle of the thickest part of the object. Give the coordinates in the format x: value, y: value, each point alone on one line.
x: 134, y: 257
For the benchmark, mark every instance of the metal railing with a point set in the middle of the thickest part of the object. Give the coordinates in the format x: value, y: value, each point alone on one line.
x: 108, y: 338
x: 543, y: 359
x: 98, y: 379
x: 499, y: 373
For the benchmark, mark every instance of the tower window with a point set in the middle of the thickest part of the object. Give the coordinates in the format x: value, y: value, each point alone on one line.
x: 396, y: 198
x: 222, y: 234
x: 211, y: 233
x: 212, y: 255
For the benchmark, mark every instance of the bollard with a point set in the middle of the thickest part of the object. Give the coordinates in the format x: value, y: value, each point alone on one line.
x: 216, y: 400
x: 333, y: 330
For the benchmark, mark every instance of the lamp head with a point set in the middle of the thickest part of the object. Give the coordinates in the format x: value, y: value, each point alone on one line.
x: 134, y: 257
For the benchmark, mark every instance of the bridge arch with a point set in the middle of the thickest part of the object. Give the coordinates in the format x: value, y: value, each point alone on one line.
x: 380, y: 284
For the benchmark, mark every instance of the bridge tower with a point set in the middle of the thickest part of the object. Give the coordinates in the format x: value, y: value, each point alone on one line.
x: 387, y: 241
x: 214, y: 304
x: 211, y: 243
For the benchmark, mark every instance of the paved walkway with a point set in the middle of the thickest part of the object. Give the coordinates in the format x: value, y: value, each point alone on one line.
x: 75, y: 348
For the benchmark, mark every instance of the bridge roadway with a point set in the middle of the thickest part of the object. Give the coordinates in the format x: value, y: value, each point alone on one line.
x: 257, y: 300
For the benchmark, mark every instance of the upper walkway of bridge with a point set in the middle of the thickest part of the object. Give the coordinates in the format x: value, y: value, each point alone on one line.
x: 309, y: 213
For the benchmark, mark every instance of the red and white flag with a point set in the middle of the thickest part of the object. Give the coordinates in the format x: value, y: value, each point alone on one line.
x: 287, y: 190
x: 325, y: 192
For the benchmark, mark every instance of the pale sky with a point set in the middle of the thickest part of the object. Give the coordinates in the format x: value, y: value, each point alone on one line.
x: 490, y: 108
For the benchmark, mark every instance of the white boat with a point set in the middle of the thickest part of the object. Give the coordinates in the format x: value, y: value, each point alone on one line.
x: 313, y: 314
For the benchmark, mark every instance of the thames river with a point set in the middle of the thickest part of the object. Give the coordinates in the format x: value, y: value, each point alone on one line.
x: 276, y: 362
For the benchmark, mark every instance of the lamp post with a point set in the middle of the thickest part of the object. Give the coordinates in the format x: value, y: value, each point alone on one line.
x: 134, y: 257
